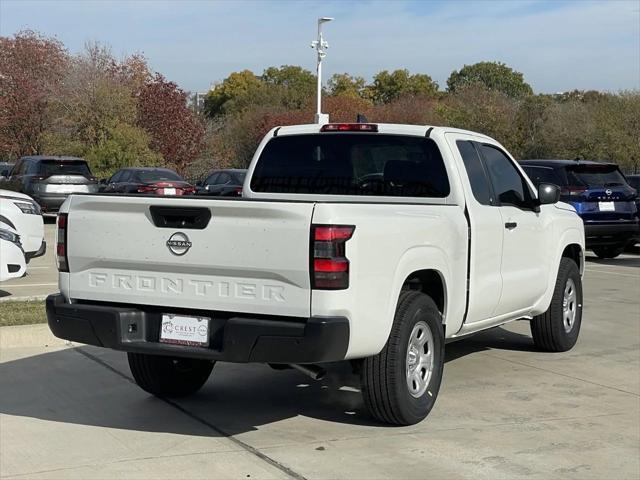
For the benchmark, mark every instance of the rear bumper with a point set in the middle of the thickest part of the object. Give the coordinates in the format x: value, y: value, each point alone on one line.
x: 232, y: 339
x: 611, y: 234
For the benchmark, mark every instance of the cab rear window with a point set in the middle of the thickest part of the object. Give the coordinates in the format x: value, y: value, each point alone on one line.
x: 352, y: 164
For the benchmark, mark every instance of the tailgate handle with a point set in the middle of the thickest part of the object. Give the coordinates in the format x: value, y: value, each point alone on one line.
x: 196, y: 218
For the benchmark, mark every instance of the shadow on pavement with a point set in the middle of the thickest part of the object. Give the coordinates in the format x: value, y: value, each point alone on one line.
x: 70, y: 386
x: 625, y: 261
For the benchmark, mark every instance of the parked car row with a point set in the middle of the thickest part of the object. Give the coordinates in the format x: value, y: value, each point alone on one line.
x: 607, y: 201
x: 50, y: 179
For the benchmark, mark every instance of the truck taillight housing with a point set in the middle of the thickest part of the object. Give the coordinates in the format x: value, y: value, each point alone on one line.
x: 61, y: 245
x: 329, y: 264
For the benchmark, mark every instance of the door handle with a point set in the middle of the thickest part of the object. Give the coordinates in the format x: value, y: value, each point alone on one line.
x: 510, y: 225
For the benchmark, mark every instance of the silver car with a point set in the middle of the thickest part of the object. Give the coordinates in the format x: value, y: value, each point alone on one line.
x: 49, y: 179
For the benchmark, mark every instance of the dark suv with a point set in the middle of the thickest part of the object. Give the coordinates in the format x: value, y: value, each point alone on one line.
x: 601, y: 196
x: 50, y: 180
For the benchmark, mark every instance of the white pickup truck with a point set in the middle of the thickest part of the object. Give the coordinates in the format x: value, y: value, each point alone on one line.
x: 372, y: 243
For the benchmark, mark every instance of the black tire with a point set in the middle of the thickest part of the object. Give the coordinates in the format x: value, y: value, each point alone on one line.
x: 384, y: 376
x: 608, y: 251
x: 549, y: 330
x: 169, y: 376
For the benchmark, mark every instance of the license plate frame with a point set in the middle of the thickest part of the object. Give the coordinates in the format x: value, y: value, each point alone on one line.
x: 185, y: 330
x: 607, y: 206
x: 170, y: 191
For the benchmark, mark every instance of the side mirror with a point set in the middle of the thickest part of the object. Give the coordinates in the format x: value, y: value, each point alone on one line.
x: 548, y: 193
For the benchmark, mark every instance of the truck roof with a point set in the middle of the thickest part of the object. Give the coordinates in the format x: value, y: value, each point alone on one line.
x: 389, y: 128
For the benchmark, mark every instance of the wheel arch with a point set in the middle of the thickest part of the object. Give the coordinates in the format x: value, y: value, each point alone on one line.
x: 430, y: 282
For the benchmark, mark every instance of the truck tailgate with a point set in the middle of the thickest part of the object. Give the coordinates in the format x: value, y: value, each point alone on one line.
x: 251, y: 257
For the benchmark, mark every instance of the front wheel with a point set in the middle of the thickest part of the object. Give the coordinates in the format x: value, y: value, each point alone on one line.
x: 401, y: 383
x: 608, y: 251
x: 557, y: 329
x: 169, y: 376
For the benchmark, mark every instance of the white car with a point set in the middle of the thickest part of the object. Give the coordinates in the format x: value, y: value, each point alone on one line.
x: 372, y: 243
x: 12, y: 260
x: 22, y: 214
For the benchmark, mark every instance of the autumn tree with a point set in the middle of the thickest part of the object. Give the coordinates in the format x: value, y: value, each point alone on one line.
x: 345, y: 85
x: 176, y: 132
x: 238, y: 85
x: 388, y: 86
x: 31, y: 70
x: 493, y: 76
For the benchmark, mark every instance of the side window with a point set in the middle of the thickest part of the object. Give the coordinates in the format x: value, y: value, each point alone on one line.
x: 125, y: 176
x: 116, y: 177
x: 510, y: 187
x: 223, y: 179
x: 480, y: 185
x: 32, y: 168
x: 540, y: 175
x: 212, y: 180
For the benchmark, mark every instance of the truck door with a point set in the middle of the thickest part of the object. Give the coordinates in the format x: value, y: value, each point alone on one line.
x: 524, y: 266
x: 485, y: 243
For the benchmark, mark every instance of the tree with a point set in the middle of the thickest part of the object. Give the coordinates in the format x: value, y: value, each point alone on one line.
x: 237, y: 85
x: 479, y: 109
x: 175, y: 131
x: 31, y: 70
x: 126, y: 146
x: 94, y: 99
x: 390, y: 86
x: 345, y: 85
x: 295, y: 86
x: 494, y: 76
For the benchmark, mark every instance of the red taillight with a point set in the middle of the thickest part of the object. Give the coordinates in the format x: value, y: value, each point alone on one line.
x: 329, y: 266
x: 61, y: 245
x: 238, y: 191
x: 349, y: 127
x: 147, y: 189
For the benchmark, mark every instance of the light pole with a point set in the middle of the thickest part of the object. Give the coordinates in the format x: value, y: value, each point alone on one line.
x: 320, y: 45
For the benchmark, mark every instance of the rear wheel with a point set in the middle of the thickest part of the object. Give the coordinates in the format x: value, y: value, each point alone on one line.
x: 401, y: 383
x: 608, y: 251
x: 169, y: 376
x: 557, y: 329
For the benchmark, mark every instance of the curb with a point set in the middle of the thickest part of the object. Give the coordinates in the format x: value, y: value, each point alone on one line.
x: 23, y: 336
x: 33, y: 298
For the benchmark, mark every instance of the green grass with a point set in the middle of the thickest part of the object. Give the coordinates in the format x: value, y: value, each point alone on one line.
x: 22, y: 313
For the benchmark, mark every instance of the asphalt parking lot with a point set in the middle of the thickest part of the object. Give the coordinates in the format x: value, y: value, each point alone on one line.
x: 504, y: 411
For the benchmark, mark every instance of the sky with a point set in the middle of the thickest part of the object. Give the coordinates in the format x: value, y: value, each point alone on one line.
x: 558, y: 45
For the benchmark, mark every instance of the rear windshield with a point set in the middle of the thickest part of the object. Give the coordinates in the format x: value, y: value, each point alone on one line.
x: 54, y: 167
x: 148, y: 176
x: 352, y: 164
x: 599, y: 175
x: 241, y: 175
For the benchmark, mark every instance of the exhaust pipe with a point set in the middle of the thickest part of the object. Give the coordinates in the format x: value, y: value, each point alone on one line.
x: 313, y: 371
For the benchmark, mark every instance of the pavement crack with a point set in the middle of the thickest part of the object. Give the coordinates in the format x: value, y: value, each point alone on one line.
x: 245, y: 446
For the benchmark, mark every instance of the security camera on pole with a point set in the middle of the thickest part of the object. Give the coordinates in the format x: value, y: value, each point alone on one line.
x: 320, y: 45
